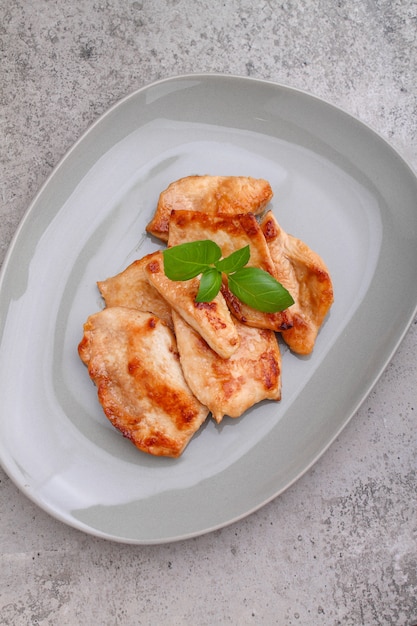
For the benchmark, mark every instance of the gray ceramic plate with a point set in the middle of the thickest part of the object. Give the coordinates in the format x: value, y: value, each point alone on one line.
x: 337, y: 185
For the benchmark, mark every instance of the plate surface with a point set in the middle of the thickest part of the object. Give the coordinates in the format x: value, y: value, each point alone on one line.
x: 337, y: 185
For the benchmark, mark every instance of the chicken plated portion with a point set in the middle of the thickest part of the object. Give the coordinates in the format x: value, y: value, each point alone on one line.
x: 131, y: 288
x: 211, y: 319
x: 305, y: 275
x: 228, y: 195
x: 132, y: 358
x: 163, y: 359
x: 230, y: 386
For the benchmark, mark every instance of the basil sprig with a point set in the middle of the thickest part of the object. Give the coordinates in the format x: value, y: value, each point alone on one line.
x: 252, y: 285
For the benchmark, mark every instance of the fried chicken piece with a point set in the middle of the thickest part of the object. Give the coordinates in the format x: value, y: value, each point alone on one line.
x: 133, y: 360
x: 132, y: 289
x: 305, y: 275
x: 211, y: 319
x: 230, y: 386
x: 211, y: 195
x: 231, y: 232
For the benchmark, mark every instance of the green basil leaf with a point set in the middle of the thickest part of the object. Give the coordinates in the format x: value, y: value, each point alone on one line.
x: 210, y: 283
x: 187, y: 260
x: 234, y: 261
x: 260, y: 290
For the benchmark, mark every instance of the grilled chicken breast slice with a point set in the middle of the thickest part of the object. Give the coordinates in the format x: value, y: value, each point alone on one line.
x: 132, y: 358
x: 231, y: 232
x: 211, y: 319
x: 305, y: 275
x: 132, y: 289
x: 211, y: 195
x: 230, y: 386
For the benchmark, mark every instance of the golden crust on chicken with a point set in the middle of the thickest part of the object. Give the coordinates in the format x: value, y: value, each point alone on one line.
x: 132, y: 289
x: 231, y: 232
x: 211, y: 195
x: 230, y: 386
x: 305, y: 275
x: 211, y: 319
x: 133, y: 360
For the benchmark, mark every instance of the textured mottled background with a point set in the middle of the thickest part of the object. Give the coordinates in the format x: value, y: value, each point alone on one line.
x: 340, y: 546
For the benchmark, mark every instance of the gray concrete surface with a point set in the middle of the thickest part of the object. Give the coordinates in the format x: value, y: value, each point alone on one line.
x: 338, y: 547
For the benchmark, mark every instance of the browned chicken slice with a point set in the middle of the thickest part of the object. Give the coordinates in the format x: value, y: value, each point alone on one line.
x: 133, y: 360
x: 230, y: 386
x: 132, y: 289
x: 211, y: 195
x: 305, y: 275
x: 211, y: 319
x: 231, y: 232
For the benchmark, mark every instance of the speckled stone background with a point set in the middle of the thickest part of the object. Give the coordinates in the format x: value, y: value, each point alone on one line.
x: 338, y: 547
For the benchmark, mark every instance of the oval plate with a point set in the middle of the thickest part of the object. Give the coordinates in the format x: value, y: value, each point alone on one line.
x: 337, y: 185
